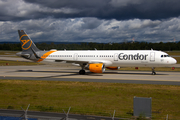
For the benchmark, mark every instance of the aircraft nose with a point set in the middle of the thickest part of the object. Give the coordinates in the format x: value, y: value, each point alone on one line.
x: 173, y: 61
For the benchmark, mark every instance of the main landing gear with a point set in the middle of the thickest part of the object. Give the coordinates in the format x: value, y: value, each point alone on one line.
x: 153, y: 71
x: 82, y: 72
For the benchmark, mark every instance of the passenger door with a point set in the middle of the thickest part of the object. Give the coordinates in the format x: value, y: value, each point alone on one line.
x: 75, y: 56
x: 116, y: 57
x: 152, y: 56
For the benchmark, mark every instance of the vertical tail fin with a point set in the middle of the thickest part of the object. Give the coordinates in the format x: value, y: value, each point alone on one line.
x: 27, y: 44
x: 29, y: 49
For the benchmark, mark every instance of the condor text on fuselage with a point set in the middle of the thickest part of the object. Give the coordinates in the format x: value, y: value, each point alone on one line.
x: 123, y: 56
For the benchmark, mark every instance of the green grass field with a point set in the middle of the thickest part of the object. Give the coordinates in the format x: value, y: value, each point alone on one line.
x: 89, y: 98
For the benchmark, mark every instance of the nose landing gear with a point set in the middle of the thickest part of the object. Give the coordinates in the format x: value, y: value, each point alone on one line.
x: 153, y: 71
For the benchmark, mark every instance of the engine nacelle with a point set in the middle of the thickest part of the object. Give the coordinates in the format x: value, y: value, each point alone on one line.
x: 113, y: 68
x: 97, y: 67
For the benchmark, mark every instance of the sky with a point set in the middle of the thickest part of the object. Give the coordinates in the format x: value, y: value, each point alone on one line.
x: 102, y: 21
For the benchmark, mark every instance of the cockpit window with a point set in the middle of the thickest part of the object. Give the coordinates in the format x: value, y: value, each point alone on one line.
x: 165, y: 56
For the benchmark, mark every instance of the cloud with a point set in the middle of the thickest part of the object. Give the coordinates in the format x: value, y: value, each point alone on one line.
x: 21, y: 10
x: 101, y: 9
x: 90, y: 23
x: 90, y: 20
x: 92, y: 30
x: 114, y: 9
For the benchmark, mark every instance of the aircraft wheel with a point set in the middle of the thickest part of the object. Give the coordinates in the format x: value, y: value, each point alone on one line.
x: 153, y: 73
x: 82, y: 72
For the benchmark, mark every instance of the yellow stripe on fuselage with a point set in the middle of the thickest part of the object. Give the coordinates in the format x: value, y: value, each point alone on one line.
x: 46, y: 55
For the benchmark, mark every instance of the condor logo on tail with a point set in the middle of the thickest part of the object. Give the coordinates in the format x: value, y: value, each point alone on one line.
x: 26, y: 42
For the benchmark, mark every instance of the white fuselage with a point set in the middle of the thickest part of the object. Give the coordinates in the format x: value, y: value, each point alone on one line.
x: 122, y: 58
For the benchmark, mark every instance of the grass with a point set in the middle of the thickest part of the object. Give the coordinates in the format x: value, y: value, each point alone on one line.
x: 88, y: 97
x: 173, y: 52
x: 15, y: 63
x: 8, y: 52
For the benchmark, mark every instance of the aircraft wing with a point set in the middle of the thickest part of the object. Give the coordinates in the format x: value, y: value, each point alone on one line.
x: 105, y: 62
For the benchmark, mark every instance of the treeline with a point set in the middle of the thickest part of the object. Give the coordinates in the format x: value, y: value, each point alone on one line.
x: 99, y: 46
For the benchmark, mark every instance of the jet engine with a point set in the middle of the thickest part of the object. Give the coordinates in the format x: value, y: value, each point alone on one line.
x: 97, y: 67
x: 113, y: 68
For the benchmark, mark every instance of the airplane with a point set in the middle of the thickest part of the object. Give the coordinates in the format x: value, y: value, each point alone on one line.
x: 95, y: 60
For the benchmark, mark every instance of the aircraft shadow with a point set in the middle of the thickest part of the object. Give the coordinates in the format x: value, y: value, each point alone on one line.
x: 71, y: 73
x: 130, y: 73
x: 74, y: 73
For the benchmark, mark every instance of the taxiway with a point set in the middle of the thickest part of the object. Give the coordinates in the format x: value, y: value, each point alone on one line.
x: 70, y: 73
